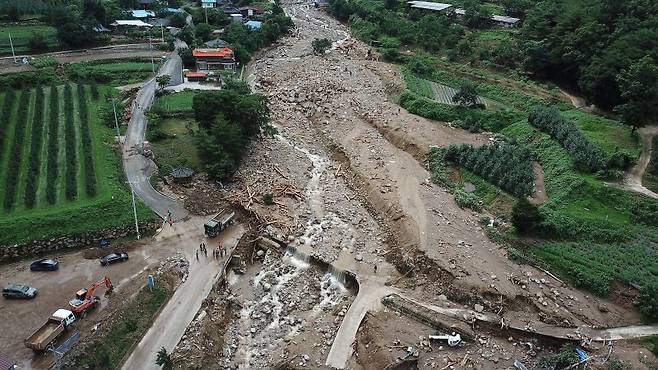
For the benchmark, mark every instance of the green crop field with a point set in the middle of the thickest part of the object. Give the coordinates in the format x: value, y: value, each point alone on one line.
x: 20, y: 34
x: 58, y: 166
x: 180, y: 102
x: 179, y: 148
x: 123, y: 66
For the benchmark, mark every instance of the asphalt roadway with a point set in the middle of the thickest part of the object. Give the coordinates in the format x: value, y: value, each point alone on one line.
x: 138, y: 167
x: 170, y: 325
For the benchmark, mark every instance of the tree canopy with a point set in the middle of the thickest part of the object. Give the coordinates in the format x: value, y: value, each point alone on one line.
x: 229, y: 119
x: 590, y: 43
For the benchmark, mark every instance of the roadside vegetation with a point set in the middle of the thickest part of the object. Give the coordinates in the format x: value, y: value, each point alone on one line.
x: 587, y: 231
x: 117, y: 336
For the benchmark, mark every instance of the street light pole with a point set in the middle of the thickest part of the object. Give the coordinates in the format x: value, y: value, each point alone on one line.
x: 116, y: 121
x: 151, y: 48
x: 132, y: 191
x: 12, y: 48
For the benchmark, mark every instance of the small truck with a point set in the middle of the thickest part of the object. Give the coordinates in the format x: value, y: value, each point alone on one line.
x: 43, y: 338
x: 218, y: 223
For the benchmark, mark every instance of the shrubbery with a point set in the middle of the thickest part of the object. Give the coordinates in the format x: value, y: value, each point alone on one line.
x: 472, y: 119
x: 647, y: 301
x: 14, y: 164
x: 31, y: 182
x: 465, y: 199
x: 85, y: 130
x: 501, y: 163
x: 71, y: 188
x: 53, y: 146
x: 526, y: 217
x: 584, y: 154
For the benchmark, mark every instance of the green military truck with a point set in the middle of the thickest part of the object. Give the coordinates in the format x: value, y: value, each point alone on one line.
x: 218, y: 223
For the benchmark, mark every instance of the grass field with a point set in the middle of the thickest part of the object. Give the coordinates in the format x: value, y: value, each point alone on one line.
x: 36, y: 154
x: 180, y: 149
x: 180, y: 102
x: 123, y: 66
x: 20, y: 34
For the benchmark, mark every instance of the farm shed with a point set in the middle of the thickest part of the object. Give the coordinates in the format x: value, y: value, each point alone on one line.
x: 182, y: 175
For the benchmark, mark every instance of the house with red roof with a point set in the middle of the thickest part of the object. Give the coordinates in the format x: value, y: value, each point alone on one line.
x: 208, y: 60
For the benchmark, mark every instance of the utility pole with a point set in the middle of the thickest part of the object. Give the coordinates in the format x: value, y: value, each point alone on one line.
x: 132, y: 191
x: 162, y: 31
x: 116, y: 121
x: 12, y: 48
x: 151, y: 48
x: 206, y: 11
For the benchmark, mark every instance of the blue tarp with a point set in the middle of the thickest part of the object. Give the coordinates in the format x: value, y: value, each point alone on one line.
x: 142, y: 13
x: 254, y: 25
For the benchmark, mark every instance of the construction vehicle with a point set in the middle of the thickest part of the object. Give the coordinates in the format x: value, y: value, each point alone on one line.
x: 85, y: 300
x: 42, y: 339
x: 218, y: 223
x: 453, y: 339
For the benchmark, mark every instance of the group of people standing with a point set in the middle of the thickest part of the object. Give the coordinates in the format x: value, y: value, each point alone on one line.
x: 217, y: 253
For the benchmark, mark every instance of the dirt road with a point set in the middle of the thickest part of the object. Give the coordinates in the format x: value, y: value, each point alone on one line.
x: 633, y: 180
x: 204, y: 272
x: 7, y: 64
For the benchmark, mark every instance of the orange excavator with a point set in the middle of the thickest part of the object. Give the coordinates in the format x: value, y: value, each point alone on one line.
x: 85, y: 299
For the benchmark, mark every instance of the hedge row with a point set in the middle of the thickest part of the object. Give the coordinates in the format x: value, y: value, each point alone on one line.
x: 504, y: 164
x: 32, y: 180
x: 53, y: 146
x: 71, y: 188
x: 5, y: 115
x: 90, y: 175
x: 14, y: 165
x: 94, y: 90
x: 584, y: 154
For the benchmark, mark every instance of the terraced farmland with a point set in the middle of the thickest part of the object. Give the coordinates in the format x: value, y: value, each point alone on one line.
x: 57, y: 165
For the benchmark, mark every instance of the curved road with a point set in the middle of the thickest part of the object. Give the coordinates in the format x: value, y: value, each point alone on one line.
x: 138, y: 168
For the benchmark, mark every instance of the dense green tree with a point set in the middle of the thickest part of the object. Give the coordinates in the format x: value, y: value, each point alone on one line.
x: 186, y: 34
x: 589, y: 43
x: 203, y: 32
x: 177, y: 20
x: 187, y: 57
x: 228, y: 119
x: 639, y: 88
x: 467, y: 95
x: 37, y: 42
x: 647, y: 302
x: 432, y: 31
x: 526, y: 217
x: 320, y: 46
x: 516, y: 8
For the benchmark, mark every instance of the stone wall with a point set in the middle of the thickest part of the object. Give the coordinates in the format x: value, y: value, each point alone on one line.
x: 36, y: 247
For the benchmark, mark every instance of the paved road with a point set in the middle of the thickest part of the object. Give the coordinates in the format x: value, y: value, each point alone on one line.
x: 138, y: 167
x: 369, y: 298
x: 183, y: 306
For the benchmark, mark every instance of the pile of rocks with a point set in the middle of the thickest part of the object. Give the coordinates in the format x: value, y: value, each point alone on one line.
x: 35, y: 247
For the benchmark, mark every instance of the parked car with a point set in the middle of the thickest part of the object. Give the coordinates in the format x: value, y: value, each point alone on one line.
x: 45, y: 264
x: 13, y: 290
x: 114, y: 257
x: 6, y: 364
